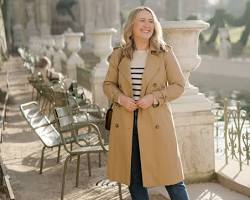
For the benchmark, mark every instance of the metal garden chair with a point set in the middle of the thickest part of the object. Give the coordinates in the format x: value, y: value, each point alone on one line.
x: 88, y: 141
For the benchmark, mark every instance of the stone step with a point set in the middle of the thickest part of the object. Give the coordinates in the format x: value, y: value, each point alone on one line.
x: 231, y: 177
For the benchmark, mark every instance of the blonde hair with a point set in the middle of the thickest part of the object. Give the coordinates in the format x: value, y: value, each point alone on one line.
x: 156, y: 41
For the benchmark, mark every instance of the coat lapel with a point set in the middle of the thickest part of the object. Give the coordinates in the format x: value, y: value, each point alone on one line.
x: 150, y: 71
x: 124, y: 69
x: 151, y: 68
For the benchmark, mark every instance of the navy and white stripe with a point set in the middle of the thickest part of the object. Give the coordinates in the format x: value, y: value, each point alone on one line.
x: 137, y: 69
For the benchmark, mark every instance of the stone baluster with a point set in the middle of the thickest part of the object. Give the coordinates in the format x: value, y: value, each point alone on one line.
x: 102, y: 48
x: 49, y: 42
x: 59, y: 57
x: 73, y: 42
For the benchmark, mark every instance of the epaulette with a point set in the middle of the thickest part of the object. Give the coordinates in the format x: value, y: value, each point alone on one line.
x: 114, y: 48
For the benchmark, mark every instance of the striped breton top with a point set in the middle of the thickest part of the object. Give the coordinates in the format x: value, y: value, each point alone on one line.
x: 137, y: 68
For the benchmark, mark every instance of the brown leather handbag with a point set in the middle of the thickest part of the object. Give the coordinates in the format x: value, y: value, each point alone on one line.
x: 108, y: 117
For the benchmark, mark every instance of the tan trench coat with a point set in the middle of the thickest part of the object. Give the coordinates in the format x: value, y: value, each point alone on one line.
x: 160, y: 158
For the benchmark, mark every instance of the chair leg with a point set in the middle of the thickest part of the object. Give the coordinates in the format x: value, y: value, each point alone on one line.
x: 32, y: 95
x: 71, y: 146
x: 41, y: 162
x: 77, y: 170
x: 50, y: 109
x: 1, y: 138
x: 58, y: 154
x: 120, y: 191
x: 89, y: 164
x: 4, y: 119
x: 100, y: 159
x: 64, y: 175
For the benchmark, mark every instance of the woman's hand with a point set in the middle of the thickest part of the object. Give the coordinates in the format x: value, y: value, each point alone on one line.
x: 146, y: 101
x: 127, y: 103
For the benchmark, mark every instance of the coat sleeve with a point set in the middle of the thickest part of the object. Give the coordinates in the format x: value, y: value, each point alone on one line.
x: 110, y: 84
x: 175, y: 82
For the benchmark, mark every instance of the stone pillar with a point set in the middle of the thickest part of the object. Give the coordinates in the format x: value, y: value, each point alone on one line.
x: 44, y: 18
x: 60, y: 57
x: 192, y: 111
x: 18, y: 30
x: 102, y: 48
x: 73, y: 41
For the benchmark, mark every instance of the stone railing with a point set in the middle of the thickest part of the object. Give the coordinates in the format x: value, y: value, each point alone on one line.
x: 63, y: 50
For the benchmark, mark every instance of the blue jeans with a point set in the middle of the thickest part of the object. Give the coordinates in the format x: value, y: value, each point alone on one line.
x: 137, y: 191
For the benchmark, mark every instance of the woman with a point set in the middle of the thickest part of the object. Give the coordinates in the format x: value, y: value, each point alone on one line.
x: 143, y: 77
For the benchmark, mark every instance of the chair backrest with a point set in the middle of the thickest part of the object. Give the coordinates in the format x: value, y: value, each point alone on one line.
x: 59, y: 95
x: 64, y: 118
x: 67, y: 121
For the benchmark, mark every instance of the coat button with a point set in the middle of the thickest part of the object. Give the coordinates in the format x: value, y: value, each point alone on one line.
x: 157, y: 126
x: 154, y: 84
x: 117, y: 125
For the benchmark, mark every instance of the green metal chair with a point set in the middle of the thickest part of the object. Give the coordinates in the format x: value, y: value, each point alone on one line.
x: 88, y: 141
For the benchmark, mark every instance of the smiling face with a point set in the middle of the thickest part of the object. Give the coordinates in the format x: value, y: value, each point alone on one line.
x: 143, y: 27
